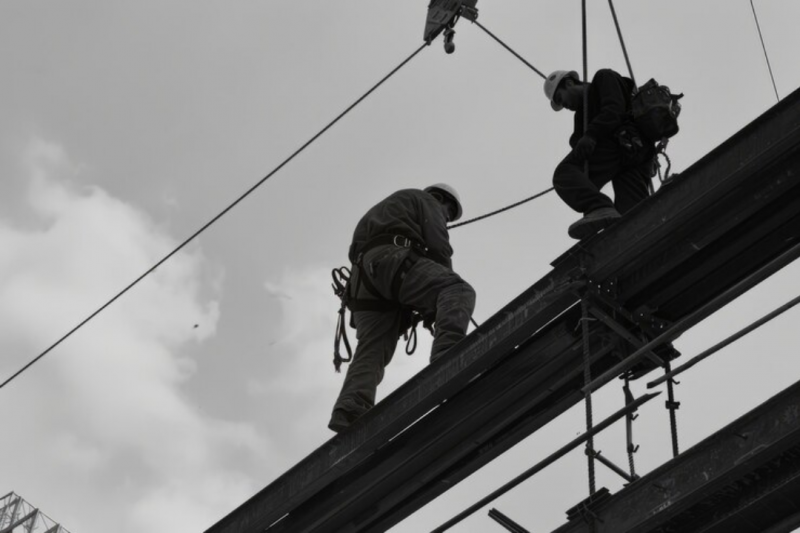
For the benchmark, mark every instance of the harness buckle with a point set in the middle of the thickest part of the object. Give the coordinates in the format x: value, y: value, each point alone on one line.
x: 406, y: 243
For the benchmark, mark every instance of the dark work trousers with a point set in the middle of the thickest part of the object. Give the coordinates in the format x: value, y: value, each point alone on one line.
x: 630, y: 181
x: 427, y: 287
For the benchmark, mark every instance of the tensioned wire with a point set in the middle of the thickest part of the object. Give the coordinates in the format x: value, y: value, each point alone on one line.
x: 764, y: 47
x: 213, y: 220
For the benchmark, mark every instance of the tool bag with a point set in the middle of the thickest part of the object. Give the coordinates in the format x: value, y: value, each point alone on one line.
x: 655, y: 111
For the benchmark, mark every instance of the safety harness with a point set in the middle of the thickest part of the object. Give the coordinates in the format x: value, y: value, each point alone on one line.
x: 341, y: 288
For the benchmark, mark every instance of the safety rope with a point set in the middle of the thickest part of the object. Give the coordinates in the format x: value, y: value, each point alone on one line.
x: 504, y: 45
x: 487, y: 215
x: 213, y: 220
x: 622, y: 41
x: 764, y: 47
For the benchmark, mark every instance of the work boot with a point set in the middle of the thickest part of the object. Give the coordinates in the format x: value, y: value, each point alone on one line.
x: 593, y: 222
x: 341, y: 420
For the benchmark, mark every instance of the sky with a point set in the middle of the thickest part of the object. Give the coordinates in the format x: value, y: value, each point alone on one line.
x: 126, y: 126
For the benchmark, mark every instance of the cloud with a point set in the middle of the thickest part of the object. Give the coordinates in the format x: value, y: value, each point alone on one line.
x: 108, y: 406
x: 303, y: 376
x: 301, y: 356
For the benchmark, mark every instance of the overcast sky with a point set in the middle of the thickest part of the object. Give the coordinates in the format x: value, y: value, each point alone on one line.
x: 128, y: 125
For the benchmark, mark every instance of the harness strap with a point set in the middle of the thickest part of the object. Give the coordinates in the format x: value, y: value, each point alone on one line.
x: 416, y: 250
x: 401, y: 241
x: 341, y: 287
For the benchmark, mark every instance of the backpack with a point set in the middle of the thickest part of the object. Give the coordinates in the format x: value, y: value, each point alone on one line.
x: 655, y: 111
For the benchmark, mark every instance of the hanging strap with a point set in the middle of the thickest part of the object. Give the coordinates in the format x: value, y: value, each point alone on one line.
x: 410, y: 335
x: 341, y: 336
x: 341, y: 281
x: 661, y: 149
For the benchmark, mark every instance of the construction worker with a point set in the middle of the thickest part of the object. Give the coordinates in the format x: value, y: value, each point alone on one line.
x: 614, y: 149
x: 401, y: 260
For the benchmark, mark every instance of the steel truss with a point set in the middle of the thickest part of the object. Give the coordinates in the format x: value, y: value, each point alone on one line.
x: 18, y: 515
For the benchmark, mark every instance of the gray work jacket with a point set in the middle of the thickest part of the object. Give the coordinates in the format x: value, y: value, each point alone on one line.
x: 413, y: 214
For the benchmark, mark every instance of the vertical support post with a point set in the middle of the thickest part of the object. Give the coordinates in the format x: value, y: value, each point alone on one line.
x: 672, y: 406
x: 629, y: 418
x: 587, y: 378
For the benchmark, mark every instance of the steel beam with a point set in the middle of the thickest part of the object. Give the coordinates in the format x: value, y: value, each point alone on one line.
x: 497, y: 337
x: 536, y: 384
x: 744, y: 478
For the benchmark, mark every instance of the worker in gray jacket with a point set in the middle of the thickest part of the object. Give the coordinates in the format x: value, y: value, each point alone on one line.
x: 401, y: 261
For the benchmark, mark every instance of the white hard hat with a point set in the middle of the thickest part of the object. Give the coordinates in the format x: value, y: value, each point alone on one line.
x: 449, y: 191
x: 552, y: 82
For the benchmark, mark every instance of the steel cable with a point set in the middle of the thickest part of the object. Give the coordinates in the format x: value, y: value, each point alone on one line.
x: 487, y: 215
x: 504, y: 45
x: 621, y: 40
x: 764, y: 47
x: 213, y: 220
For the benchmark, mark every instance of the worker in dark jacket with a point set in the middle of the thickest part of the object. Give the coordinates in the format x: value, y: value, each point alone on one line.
x: 401, y: 260
x: 612, y: 146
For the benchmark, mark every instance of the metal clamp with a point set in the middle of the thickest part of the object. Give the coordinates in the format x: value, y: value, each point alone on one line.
x: 405, y: 244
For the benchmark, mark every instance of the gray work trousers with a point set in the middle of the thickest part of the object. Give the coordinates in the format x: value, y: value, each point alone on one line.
x: 428, y: 287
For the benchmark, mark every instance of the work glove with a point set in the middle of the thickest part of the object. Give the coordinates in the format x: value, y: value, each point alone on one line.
x: 584, y: 147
